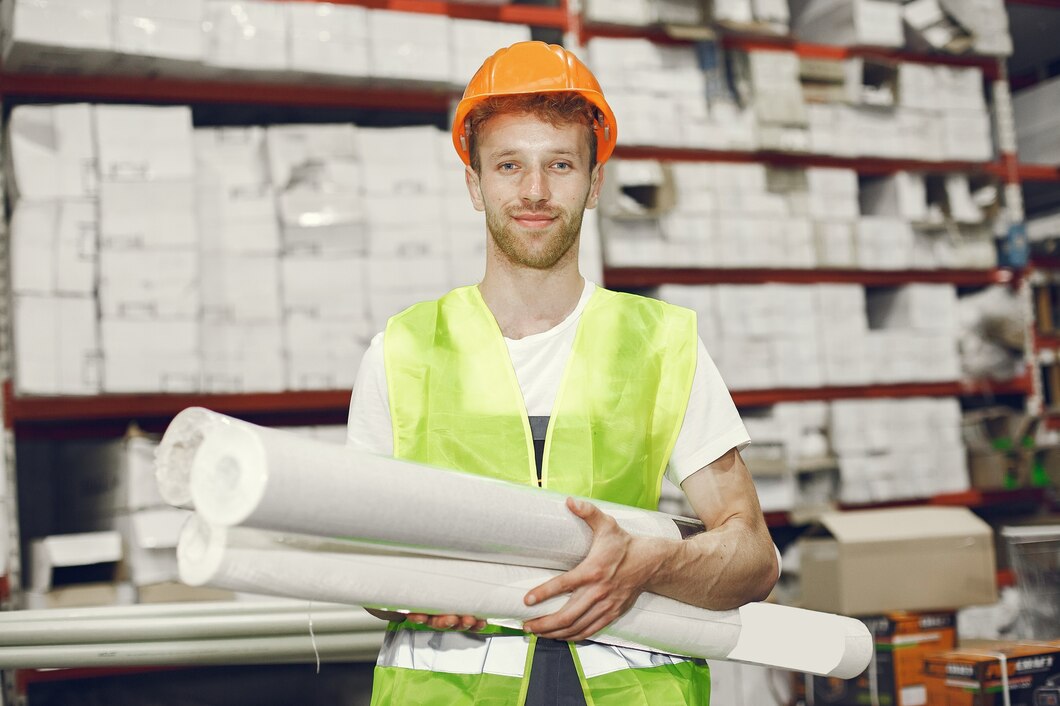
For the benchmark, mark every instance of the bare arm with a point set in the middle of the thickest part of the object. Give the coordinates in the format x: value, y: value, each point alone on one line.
x: 731, y: 564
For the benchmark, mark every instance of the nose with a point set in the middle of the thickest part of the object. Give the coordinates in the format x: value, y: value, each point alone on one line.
x: 534, y: 186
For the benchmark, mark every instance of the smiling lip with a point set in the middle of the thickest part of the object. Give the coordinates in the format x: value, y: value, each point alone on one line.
x: 534, y: 220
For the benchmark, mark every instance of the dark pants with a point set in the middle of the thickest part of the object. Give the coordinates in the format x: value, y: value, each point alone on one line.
x: 553, y: 677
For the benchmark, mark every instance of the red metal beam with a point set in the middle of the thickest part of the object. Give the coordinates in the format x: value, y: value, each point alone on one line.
x: 765, y: 398
x: 172, y: 90
x: 642, y: 277
x: 536, y: 15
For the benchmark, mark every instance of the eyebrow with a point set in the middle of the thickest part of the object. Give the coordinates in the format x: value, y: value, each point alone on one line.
x: 511, y: 152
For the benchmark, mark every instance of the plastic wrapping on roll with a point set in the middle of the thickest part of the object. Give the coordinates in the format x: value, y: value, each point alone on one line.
x: 242, y: 474
x: 252, y: 560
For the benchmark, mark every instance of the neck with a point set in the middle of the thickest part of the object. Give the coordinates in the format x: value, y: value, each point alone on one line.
x: 526, y: 301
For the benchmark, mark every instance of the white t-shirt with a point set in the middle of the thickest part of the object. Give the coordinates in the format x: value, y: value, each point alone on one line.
x: 711, y: 425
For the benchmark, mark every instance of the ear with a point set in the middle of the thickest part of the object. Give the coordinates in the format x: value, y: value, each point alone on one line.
x: 596, y: 181
x: 474, y: 188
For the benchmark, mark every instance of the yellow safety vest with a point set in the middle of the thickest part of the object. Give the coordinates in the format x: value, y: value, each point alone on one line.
x: 455, y: 402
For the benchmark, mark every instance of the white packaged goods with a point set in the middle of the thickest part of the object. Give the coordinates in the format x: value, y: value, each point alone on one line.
x: 58, y: 35
x: 399, y: 161
x: 423, y: 210
x: 139, y: 143
x: 884, y: 243
x: 52, y: 152
x: 292, y: 149
x: 215, y: 555
x: 1036, y: 122
x: 327, y: 38
x: 320, y: 371
x: 149, y: 338
x: 147, y: 214
x: 472, y: 40
x: 53, y: 247
x: 623, y: 12
x: 149, y: 284
x: 241, y: 288
x: 231, y: 157
x: 248, y: 34
x: 244, y: 357
x: 848, y: 22
x: 407, y: 45
x: 342, y: 239
x: 967, y: 135
x: 69, y: 550
x: 332, y: 288
x: 899, y: 195
x: 921, y: 307
x: 150, y: 537
x: 56, y: 345
x: 138, y: 372
x: 160, y: 29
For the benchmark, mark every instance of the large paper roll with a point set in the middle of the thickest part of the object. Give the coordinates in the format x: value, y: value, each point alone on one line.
x: 251, y: 560
x: 242, y: 474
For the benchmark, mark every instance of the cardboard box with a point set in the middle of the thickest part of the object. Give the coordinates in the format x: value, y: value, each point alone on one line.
x: 58, y: 36
x: 333, y: 288
x: 328, y: 39
x: 147, y: 284
x: 248, y: 34
x: 56, y: 342
x: 54, y: 247
x: 241, y: 288
x: 51, y: 152
x: 144, y: 143
x: 876, y: 561
x: 163, y: 36
x: 148, y: 214
x: 977, y: 676
x: 407, y: 45
x: 471, y: 40
x: 74, y: 558
x: 902, y: 641
x: 136, y: 373
x: 294, y: 149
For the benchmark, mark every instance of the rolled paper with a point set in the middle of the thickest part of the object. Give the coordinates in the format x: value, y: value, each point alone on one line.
x: 242, y: 474
x: 243, y: 559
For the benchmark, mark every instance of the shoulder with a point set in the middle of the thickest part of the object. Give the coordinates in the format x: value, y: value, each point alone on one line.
x: 640, y: 306
x: 425, y: 312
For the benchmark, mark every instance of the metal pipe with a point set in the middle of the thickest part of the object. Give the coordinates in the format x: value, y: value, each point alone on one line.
x: 248, y: 650
x: 153, y: 629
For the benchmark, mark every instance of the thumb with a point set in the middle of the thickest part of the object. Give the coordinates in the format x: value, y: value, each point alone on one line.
x: 588, y: 512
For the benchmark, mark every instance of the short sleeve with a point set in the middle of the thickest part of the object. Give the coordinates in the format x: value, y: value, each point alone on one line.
x: 711, y: 425
x: 368, y: 428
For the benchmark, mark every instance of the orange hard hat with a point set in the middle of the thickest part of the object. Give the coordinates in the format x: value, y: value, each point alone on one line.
x: 534, y: 67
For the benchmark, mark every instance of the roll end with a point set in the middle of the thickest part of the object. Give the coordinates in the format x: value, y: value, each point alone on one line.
x: 200, y: 551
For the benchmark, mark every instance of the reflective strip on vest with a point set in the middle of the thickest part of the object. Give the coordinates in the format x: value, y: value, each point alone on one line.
x: 455, y: 652
x: 598, y: 659
x: 458, y: 652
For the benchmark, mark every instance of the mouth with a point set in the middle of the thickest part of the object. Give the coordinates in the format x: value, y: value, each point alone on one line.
x: 534, y: 220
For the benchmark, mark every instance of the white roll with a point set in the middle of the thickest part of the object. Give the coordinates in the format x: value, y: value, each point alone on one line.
x: 242, y: 474
x: 251, y: 560
x: 177, y: 448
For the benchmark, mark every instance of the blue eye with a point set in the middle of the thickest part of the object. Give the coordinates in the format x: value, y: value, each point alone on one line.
x: 507, y: 166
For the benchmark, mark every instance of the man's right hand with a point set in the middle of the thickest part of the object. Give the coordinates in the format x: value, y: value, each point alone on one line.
x: 447, y: 622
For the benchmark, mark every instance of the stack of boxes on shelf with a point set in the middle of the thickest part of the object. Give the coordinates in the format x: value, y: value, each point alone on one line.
x: 53, y: 186
x: 230, y: 38
x: 767, y: 16
x: 149, y: 295
x: 719, y: 215
x: 804, y: 336
x: 317, y: 173
x: 242, y: 315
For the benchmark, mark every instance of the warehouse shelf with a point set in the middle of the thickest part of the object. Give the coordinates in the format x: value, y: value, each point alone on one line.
x: 1047, y: 342
x: 750, y: 41
x: 37, y: 412
x: 863, y: 165
x: 975, y: 499
x: 1051, y: 4
x: 642, y: 277
x: 536, y: 15
x: 1038, y: 172
x: 25, y: 87
x: 25, y: 677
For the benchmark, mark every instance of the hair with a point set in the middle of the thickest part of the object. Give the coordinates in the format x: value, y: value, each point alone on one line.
x: 558, y: 109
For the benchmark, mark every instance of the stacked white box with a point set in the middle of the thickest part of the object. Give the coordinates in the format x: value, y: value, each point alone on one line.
x: 150, y: 538
x: 53, y: 247
x: 915, y: 333
x: 149, y: 261
x: 898, y: 195
x: 56, y: 342
x: 842, y: 334
x: 622, y: 12
x: 328, y: 39
x: 884, y: 243
x: 897, y: 449
x: 848, y: 22
x: 248, y: 35
x: 159, y: 36
x: 242, y: 328
x: 408, y: 45
x: 465, y: 233
x: 473, y: 40
x: 1036, y: 122
x: 776, y: 92
x: 58, y: 36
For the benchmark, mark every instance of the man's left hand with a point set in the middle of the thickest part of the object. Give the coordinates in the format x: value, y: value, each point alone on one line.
x: 603, y: 586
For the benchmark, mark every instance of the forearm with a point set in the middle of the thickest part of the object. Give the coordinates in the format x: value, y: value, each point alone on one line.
x: 724, y: 568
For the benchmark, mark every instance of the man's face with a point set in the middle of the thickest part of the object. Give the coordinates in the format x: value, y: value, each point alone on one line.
x: 534, y: 183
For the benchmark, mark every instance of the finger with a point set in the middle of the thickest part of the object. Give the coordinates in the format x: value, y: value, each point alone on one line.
x: 443, y: 622
x: 597, y: 519
x: 578, y: 604
x: 567, y: 582
x: 590, y: 617
x: 467, y: 622
x: 418, y: 618
x: 479, y: 626
x: 592, y: 629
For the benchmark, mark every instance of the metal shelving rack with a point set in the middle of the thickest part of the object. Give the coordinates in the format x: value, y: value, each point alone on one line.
x: 38, y: 417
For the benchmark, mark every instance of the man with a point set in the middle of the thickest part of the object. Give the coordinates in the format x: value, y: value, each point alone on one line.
x: 537, y: 376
